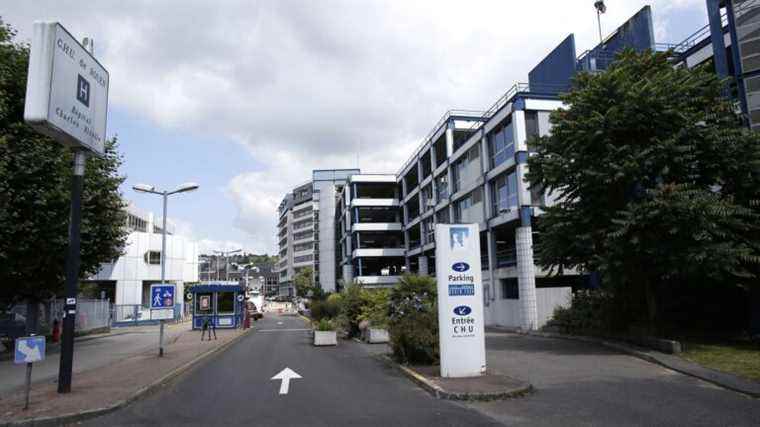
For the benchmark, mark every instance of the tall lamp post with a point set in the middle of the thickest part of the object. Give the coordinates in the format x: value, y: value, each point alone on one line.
x: 145, y: 188
x: 225, y: 254
x: 600, y: 9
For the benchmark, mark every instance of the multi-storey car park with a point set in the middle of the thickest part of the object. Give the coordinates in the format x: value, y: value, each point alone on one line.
x: 370, y: 241
x: 471, y: 168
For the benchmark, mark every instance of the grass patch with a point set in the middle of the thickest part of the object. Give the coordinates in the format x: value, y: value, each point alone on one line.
x: 741, y: 358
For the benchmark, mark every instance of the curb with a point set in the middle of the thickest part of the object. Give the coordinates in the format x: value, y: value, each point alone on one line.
x: 140, y: 393
x: 643, y: 355
x: 440, y: 393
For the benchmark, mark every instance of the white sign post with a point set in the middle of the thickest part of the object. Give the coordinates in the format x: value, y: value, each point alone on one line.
x: 66, y: 89
x: 460, y: 300
x: 67, y: 100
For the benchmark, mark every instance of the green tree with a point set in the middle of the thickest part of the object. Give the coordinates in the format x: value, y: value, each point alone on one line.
x: 304, y: 282
x: 654, y: 174
x: 35, y: 182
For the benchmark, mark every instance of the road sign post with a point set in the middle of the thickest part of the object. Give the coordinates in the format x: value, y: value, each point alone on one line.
x: 27, y: 351
x: 162, y: 298
x: 67, y: 100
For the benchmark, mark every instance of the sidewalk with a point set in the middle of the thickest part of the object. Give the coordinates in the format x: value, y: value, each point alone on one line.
x: 92, y: 351
x: 102, y: 389
x: 670, y: 361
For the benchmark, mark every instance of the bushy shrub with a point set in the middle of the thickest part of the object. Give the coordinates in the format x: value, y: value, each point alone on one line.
x: 324, y: 325
x: 351, y: 303
x: 374, y: 308
x: 413, y: 320
x: 591, y: 312
x: 326, y: 308
x: 333, y: 305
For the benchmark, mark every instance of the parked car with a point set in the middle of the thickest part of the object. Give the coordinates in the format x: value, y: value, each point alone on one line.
x: 254, y: 312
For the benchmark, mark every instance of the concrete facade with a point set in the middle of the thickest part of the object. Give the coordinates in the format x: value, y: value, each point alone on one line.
x: 128, y: 278
x: 306, y: 230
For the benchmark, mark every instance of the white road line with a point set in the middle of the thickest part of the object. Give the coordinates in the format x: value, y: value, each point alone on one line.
x: 283, y: 330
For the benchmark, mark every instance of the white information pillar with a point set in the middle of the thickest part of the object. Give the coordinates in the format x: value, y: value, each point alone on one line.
x: 460, y: 300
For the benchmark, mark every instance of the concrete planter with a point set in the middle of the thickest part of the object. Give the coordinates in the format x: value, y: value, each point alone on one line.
x: 325, y: 338
x: 377, y: 336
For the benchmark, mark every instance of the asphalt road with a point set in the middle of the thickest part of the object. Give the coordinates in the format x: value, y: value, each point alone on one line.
x: 342, y: 386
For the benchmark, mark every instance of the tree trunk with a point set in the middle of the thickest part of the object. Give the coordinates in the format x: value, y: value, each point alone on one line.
x: 650, y: 292
x: 32, y: 316
x: 754, y: 315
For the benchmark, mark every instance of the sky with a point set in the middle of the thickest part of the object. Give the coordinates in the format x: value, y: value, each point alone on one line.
x: 246, y: 98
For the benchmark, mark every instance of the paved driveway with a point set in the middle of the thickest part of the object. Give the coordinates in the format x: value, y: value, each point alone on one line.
x: 580, y: 383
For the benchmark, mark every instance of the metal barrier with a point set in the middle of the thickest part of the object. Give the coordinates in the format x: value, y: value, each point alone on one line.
x: 138, y: 314
x: 91, y: 313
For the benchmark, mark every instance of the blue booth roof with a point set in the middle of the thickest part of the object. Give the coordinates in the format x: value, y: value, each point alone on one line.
x: 216, y: 287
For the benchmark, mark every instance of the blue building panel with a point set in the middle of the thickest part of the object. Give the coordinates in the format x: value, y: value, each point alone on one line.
x: 554, y: 73
x: 636, y: 33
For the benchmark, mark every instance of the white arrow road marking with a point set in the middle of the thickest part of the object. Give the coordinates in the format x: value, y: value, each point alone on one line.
x: 286, y: 375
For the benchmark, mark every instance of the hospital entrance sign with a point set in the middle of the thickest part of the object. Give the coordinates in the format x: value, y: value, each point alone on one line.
x: 460, y: 300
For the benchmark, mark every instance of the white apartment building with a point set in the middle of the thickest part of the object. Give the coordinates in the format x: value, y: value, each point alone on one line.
x: 127, y: 280
x: 306, y: 230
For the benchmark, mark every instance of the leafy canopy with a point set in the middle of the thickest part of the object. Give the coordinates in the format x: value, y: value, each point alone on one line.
x: 654, y: 175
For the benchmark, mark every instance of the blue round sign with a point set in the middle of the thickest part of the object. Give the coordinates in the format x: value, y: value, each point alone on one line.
x: 462, y: 310
x: 460, y: 267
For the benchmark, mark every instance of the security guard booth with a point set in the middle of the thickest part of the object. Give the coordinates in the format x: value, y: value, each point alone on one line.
x: 221, y: 303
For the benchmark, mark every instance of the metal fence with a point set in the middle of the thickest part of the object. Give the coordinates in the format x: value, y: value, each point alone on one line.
x: 124, y: 314
x: 91, y: 313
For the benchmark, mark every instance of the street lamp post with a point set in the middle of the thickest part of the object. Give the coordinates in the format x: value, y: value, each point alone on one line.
x: 144, y: 188
x: 225, y: 254
x: 600, y: 9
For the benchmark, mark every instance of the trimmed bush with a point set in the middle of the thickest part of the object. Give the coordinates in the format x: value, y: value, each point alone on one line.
x: 324, y: 325
x: 374, y: 308
x: 413, y: 320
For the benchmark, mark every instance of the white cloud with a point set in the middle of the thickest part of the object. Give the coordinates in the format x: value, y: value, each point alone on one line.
x: 301, y: 84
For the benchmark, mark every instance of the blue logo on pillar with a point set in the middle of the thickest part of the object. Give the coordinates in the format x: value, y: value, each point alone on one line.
x: 460, y: 267
x: 462, y: 310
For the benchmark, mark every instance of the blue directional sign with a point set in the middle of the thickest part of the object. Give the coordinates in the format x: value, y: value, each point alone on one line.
x: 29, y: 349
x: 162, y: 296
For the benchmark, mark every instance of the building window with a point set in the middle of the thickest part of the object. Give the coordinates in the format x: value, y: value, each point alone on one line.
x: 303, y: 258
x: 303, y: 247
x: 462, y: 206
x: 501, y: 144
x: 465, y: 169
x: 504, y: 192
x: 153, y: 257
x: 509, y: 289
x: 427, y: 198
x: 136, y: 223
x: 225, y: 303
x: 442, y: 186
x: 428, y: 228
x: 442, y: 217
